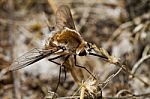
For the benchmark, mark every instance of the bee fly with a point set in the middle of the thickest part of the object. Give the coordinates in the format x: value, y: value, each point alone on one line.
x: 65, y: 42
x: 69, y: 39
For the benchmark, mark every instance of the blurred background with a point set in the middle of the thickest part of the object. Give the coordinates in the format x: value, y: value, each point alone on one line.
x: 122, y: 27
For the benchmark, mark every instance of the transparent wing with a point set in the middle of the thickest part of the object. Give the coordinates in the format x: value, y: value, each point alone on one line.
x: 29, y: 58
x: 64, y: 18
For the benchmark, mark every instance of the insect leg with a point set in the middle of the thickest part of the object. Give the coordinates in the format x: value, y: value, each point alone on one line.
x: 58, y: 79
x: 66, y: 58
x: 51, y: 60
x: 65, y: 74
x: 83, y: 67
x: 60, y: 66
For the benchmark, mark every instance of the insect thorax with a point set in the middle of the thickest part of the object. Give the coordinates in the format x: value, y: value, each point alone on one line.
x: 68, y: 38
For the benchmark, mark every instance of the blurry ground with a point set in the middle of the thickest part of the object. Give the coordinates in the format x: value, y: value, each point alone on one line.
x: 122, y: 27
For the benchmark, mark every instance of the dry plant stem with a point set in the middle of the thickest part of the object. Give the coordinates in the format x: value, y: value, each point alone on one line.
x: 16, y: 82
x: 69, y: 97
x: 110, y: 78
x: 76, y: 92
x: 133, y: 75
x: 130, y: 97
x: 122, y: 91
x: 85, y: 15
x: 107, y: 97
x: 123, y: 26
x: 2, y: 73
x: 53, y: 5
x: 116, y: 62
x: 82, y: 92
x: 117, y: 32
x: 137, y: 65
x: 146, y: 50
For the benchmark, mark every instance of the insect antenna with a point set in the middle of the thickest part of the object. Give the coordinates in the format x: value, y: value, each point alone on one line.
x: 94, y: 47
x: 101, y: 56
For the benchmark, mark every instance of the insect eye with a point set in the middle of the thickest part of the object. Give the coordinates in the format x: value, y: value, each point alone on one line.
x: 51, y: 28
x: 89, y: 49
x: 82, y: 53
x: 65, y: 42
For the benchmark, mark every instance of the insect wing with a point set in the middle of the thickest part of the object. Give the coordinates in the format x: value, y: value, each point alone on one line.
x: 29, y: 58
x: 64, y: 18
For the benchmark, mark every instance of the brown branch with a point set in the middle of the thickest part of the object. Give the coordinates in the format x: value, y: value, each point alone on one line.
x: 85, y: 15
x: 129, y: 97
x: 138, y: 64
x: 116, y: 61
x: 53, y: 5
x: 110, y: 97
x: 131, y: 74
x: 15, y: 76
x: 110, y: 78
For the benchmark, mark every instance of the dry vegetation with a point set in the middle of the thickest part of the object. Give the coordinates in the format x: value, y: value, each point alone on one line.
x: 121, y: 27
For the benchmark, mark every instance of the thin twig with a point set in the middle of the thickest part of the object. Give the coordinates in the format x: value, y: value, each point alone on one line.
x: 122, y: 91
x: 129, y: 97
x: 116, y: 62
x: 132, y: 75
x: 53, y: 5
x: 82, y: 92
x: 110, y: 78
x: 15, y: 76
x: 85, y: 15
x: 137, y: 64
x: 110, y: 97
